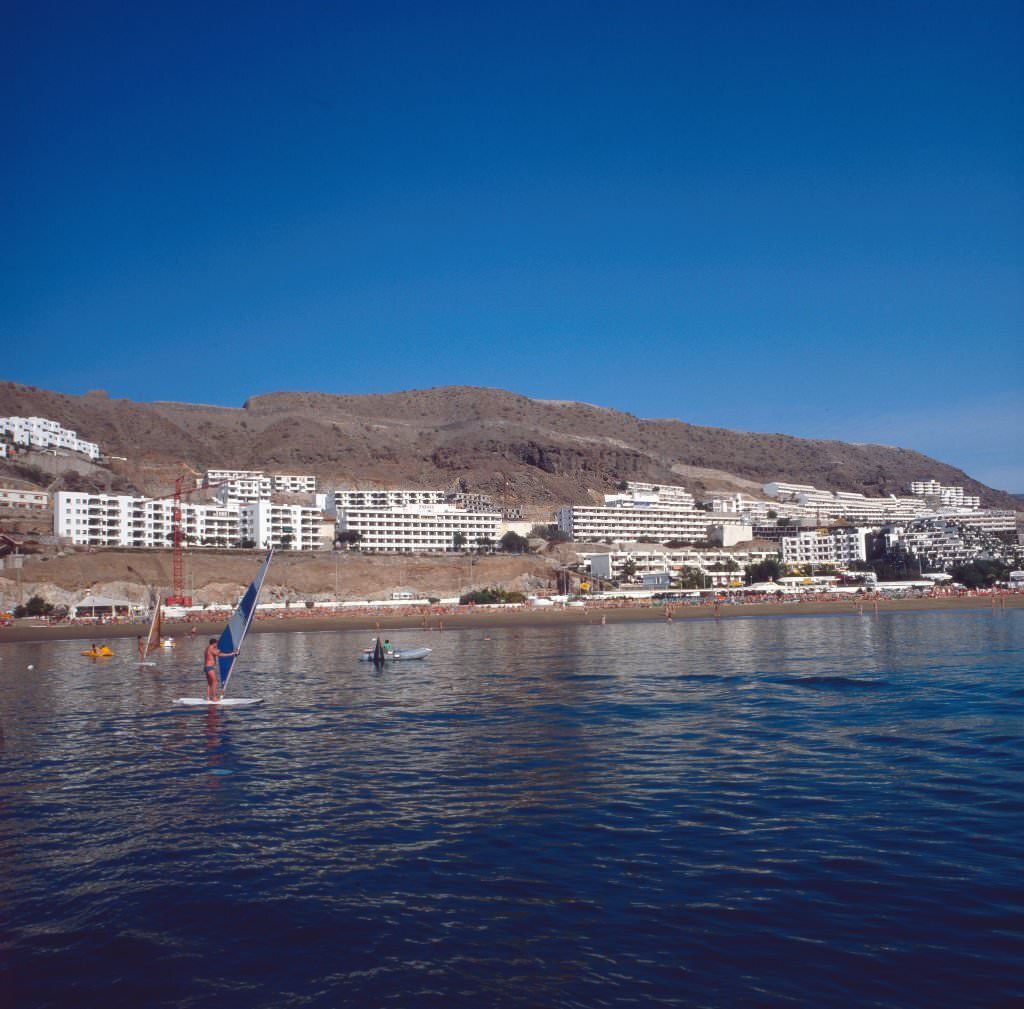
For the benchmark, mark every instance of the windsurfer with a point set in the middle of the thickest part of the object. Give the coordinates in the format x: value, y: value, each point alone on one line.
x: 210, y: 657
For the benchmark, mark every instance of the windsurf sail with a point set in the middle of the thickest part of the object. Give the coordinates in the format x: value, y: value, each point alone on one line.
x: 152, y: 642
x: 234, y: 634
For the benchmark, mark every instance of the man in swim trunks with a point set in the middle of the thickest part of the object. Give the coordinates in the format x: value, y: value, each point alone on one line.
x: 210, y: 657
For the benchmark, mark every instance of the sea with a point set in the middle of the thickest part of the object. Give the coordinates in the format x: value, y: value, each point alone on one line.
x: 768, y: 811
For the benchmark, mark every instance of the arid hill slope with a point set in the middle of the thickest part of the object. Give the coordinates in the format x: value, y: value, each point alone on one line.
x: 498, y: 442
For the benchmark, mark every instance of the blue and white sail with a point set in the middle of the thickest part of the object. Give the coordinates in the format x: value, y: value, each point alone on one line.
x: 234, y: 634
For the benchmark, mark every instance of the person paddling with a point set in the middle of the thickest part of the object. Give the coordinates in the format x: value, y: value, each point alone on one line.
x: 210, y: 657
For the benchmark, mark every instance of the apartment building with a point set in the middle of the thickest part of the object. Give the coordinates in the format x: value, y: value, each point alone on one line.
x: 990, y: 520
x: 472, y: 501
x: 285, y: 526
x: 40, y: 432
x: 822, y: 506
x: 665, y: 493
x: 937, y: 545
x: 122, y: 520
x: 631, y: 520
x: 342, y: 498
x: 944, y: 495
x: 751, y: 510
x: 29, y: 500
x: 414, y: 529
x: 787, y: 491
x: 837, y: 546
x: 285, y: 483
x: 940, y: 544
x: 239, y: 486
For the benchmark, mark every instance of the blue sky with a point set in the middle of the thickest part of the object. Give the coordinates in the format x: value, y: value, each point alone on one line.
x: 794, y: 217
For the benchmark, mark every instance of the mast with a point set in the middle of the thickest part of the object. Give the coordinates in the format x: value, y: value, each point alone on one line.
x: 153, y: 638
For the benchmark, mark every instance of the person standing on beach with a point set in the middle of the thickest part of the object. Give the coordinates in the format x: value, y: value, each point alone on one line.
x: 210, y: 657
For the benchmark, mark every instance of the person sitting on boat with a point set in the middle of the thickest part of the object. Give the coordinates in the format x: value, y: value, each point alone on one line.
x: 388, y: 647
x: 210, y: 657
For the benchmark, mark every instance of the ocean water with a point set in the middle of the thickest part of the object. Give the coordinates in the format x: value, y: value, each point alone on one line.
x: 822, y: 811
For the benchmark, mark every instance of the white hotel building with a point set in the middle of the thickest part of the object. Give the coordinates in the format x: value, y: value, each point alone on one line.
x: 412, y: 529
x: 121, y: 520
x: 342, y: 498
x: 292, y: 483
x: 298, y: 527
x: 236, y: 486
x: 642, y: 511
x: 38, y: 432
x: 665, y: 493
x: 947, y: 495
x: 32, y: 500
x: 838, y: 547
x: 240, y: 486
x: 824, y: 506
x: 630, y: 517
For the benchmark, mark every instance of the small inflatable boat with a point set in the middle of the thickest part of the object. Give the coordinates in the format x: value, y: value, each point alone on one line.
x: 398, y: 653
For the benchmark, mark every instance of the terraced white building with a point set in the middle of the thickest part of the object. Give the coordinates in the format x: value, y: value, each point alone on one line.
x: 40, y: 432
x: 415, y: 529
x: 123, y: 520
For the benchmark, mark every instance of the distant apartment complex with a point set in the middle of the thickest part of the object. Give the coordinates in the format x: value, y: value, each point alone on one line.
x: 946, y: 496
x: 38, y: 432
x: 642, y: 511
x: 342, y: 498
x: 122, y: 520
x: 836, y: 547
x: 241, y: 486
x: 425, y: 528
x: 811, y: 526
x: 32, y: 500
x: 295, y: 527
x: 822, y: 506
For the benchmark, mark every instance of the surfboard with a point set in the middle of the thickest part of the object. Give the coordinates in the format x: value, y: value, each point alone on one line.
x: 225, y: 702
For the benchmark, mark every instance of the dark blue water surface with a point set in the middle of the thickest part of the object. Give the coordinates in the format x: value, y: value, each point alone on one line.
x: 757, y: 812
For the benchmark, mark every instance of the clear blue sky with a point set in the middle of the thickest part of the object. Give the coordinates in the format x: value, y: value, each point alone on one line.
x: 796, y: 217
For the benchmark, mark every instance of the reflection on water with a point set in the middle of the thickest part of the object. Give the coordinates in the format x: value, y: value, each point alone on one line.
x: 754, y: 811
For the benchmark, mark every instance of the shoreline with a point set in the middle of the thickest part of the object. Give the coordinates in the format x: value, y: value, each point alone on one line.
x: 25, y: 631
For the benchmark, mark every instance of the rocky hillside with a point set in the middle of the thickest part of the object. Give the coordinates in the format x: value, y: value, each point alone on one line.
x: 532, y: 451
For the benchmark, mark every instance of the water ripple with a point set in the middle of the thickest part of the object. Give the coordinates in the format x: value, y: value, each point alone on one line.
x: 824, y: 812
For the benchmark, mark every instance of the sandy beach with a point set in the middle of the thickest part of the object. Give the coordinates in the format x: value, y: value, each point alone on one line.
x: 482, y: 617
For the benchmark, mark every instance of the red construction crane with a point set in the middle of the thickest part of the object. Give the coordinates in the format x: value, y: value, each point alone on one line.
x: 177, y: 596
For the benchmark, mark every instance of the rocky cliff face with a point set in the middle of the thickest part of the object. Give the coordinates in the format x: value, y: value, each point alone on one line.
x: 498, y: 442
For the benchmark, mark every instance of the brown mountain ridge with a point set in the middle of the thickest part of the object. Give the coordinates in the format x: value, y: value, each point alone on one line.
x: 516, y: 448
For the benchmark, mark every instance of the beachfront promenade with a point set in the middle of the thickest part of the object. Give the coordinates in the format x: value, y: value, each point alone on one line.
x: 596, y: 612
